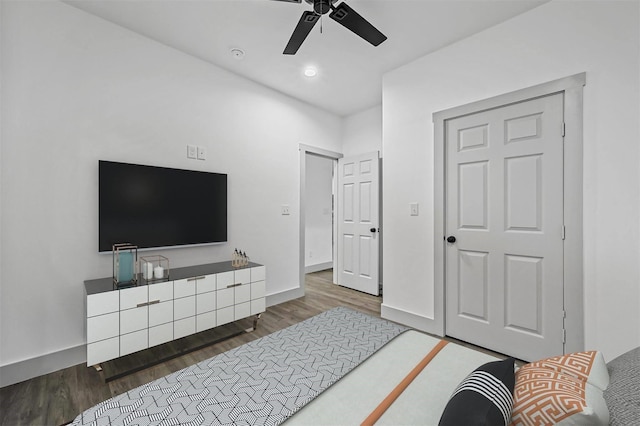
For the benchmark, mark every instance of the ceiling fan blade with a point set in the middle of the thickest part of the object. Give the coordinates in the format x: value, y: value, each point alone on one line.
x: 306, y: 23
x: 350, y: 19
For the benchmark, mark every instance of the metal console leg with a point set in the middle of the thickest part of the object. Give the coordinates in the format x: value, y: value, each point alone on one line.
x: 255, y: 324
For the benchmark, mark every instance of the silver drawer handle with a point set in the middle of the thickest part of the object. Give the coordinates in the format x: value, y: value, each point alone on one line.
x: 140, y: 305
x: 234, y: 285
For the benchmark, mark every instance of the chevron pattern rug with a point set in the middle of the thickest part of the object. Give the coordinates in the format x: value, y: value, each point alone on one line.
x: 259, y: 383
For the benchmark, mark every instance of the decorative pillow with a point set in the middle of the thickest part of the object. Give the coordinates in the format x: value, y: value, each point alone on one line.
x: 554, y: 393
x: 623, y: 394
x: 484, y: 397
x: 587, y: 366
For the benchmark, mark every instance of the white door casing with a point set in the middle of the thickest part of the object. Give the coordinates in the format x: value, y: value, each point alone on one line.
x: 572, y: 87
x: 358, y: 223
x: 504, y: 204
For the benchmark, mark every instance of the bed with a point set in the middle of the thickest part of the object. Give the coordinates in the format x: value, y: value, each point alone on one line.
x: 344, y: 367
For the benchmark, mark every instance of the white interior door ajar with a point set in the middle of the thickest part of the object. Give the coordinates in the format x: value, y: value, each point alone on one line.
x: 358, y: 217
x: 504, y: 228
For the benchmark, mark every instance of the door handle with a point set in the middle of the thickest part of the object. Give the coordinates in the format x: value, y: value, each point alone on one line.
x: 451, y: 239
x: 372, y: 229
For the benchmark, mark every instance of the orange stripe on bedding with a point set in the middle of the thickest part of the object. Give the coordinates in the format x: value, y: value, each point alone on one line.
x: 395, y: 393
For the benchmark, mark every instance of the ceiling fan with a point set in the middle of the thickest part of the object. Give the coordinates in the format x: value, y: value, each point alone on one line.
x: 342, y: 14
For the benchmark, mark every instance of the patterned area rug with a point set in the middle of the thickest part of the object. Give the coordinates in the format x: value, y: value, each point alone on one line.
x: 259, y: 383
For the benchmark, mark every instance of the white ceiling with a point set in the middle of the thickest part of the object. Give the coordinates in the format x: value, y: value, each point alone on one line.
x: 350, y: 70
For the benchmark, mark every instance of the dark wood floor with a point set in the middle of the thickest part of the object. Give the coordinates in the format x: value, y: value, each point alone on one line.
x: 57, y: 398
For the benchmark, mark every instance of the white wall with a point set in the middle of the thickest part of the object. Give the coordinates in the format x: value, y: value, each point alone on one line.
x: 318, y: 215
x: 362, y: 132
x: 77, y: 89
x: 555, y: 40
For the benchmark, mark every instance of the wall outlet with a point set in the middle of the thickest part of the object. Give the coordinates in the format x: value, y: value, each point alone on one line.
x: 192, y: 151
x: 202, y: 153
x: 285, y: 209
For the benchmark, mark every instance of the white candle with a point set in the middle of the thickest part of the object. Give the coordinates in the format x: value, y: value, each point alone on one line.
x: 147, y: 270
x: 158, y: 272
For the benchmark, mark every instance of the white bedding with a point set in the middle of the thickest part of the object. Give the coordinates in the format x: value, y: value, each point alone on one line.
x: 355, y: 396
x: 264, y: 381
x: 348, y: 361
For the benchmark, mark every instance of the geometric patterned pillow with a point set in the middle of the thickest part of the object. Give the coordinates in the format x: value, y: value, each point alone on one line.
x: 587, y: 366
x: 484, y: 397
x: 546, y: 394
x: 623, y: 394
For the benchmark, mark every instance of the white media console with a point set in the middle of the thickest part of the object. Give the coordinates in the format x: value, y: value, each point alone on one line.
x: 196, y: 298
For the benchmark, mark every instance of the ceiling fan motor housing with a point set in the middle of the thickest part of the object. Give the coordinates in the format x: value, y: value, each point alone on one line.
x: 321, y: 7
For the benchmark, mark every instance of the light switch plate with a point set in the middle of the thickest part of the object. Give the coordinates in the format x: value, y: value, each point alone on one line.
x: 192, y: 151
x: 414, y: 209
x: 202, y: 153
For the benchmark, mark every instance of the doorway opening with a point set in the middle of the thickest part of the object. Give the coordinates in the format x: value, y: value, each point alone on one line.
x: 318, y: 230
x: 353, y: 213
x: 319, y: 213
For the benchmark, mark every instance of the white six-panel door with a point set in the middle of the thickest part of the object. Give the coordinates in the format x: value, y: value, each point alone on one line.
x: 504, y: 204
x: 358, y: 211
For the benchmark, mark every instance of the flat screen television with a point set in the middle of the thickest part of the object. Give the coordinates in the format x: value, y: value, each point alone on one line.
x: 159, y: 207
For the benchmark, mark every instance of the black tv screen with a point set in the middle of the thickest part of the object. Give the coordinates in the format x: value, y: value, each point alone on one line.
x: 153, y: 207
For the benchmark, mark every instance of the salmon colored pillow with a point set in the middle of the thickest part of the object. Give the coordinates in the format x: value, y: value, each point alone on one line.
x: 587, y: 366
x: 566, y: 390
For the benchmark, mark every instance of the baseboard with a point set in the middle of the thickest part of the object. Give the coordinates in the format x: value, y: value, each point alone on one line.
x: 44, y: 364
x: 49, y: 363
x: 318, y: 267
x: 419, y: 322
x: 284, y: 296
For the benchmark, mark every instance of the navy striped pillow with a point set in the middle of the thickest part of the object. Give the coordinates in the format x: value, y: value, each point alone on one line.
x: 484, y: 397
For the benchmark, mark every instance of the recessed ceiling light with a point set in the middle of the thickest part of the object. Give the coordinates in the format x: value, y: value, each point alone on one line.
x: 310, y: 72
x: 237, y: 53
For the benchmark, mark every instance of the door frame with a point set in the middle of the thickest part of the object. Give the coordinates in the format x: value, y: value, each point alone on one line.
x: 572, y: 88
x: 334, y: 156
